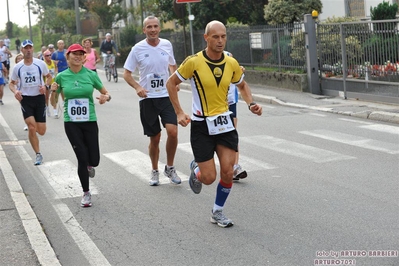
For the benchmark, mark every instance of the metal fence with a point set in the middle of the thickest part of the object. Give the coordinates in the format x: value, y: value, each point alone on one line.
x: 359, y: 57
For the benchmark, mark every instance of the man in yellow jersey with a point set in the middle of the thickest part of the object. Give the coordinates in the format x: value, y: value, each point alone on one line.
x: 212, y: 128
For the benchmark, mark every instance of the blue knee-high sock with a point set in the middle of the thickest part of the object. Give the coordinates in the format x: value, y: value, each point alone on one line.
x: 222, y: 192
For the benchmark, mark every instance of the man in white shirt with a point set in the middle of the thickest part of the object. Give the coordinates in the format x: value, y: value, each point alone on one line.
x: 155, y: 60
x: 31, y: 94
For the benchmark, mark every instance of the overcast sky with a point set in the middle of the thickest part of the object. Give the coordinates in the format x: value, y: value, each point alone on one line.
x: 18, y: 10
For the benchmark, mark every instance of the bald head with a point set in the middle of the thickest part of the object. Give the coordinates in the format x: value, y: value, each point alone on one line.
x: 212, y: 25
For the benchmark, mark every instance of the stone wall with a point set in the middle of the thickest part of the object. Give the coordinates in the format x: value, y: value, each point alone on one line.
x: 297, y: 82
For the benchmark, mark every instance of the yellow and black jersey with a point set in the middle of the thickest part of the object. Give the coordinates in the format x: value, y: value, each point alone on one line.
x: 210, y: 81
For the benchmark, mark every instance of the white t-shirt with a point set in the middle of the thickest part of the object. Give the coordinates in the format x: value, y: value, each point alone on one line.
x: 153, y: 64
x: 7, y: 42
x: 30, y: 77
x: 3, y: 53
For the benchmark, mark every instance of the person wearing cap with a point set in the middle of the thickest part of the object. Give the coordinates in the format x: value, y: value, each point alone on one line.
x: 29, y: 73
x: 92, y: 57
x: 155, y: 60
x: 77, y: 83
x: 106, y: 48
x: 59, y: 56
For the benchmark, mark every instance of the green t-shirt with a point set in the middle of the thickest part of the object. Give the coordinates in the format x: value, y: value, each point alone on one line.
x: 78, y: 94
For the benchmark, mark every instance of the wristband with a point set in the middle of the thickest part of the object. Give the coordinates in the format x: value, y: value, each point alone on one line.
x: 251, y: 104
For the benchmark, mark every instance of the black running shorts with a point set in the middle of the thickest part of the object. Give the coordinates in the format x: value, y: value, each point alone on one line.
x: 34, y: 106
x: 204, y: 145
x: 150, y: 111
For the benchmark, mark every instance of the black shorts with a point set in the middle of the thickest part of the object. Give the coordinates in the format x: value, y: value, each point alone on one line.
x: 233, y: 108
x: 150, y: 111
x: 7, y: 64
x: 34, y: 106
x: 204, y: 145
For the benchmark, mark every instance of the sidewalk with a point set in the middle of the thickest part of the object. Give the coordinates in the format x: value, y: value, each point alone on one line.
x: 16, y: 247
x: 351, y: 107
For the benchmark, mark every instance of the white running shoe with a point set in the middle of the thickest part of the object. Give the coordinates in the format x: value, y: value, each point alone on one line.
x: 154, y: 181
x: 239, y: 173
x: 221, y: 220
x: 86, y: 200
x: 172, y: 175
x: 39, y: 159
x: 55, y: 112
x: 25, y: 128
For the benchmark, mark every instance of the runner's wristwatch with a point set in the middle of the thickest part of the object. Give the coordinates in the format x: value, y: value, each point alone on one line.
x: 251, y: 104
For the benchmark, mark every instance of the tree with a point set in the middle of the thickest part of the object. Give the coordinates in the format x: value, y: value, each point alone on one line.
x: 251, y: 12
x: 384, y: 11
x: 208, y: 10
x: 106, y: 13
x: 289, y: 11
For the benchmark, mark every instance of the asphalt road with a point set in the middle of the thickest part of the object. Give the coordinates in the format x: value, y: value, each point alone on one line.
x: 321, y: 186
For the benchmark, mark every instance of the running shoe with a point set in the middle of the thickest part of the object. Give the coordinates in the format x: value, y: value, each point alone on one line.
x: 195, y: 184
x: 154, y: 181
x: 55, y: 112
x: 221, y: 220
x: 25, y: 128
x: 92, y: 171
x: 172, y: 175
x: 239, y: 173
x: 48, y: 112
x: 1, y: 102
x: 86, y: 200
x: 39, y: 159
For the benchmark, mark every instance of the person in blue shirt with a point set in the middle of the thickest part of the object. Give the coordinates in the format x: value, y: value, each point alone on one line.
x: 59, y: 56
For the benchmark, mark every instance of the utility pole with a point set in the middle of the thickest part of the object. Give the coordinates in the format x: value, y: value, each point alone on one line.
x: 30, y: 26
x: 8, y: 12
x: 78, y: 31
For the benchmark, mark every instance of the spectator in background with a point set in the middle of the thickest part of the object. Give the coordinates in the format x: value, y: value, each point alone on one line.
x: 18, y: 45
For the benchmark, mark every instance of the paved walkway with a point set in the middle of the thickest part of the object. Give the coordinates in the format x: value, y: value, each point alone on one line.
x: 16, y: 248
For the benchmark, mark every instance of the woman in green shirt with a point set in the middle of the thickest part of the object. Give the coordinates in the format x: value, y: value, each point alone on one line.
x: 77, y: 83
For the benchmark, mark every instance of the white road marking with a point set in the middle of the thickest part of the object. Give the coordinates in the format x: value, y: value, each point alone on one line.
x: 317, y: 114
x: 355, y: 121
x: 383, y: 128
x: 37, y: 238
x: 139, y: 164
x: 63, y: 177
x: 247, y: 163
x: 295, y: 149
x: 84, y: 242
x: 353, y: 140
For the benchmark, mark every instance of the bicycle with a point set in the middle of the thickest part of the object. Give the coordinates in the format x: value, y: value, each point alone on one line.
x: 110, y: 68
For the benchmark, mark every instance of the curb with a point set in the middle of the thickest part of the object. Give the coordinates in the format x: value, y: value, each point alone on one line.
x: 372, y: 115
